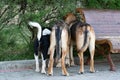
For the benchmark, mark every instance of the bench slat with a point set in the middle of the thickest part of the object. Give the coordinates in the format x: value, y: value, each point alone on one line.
x: 106, y: 24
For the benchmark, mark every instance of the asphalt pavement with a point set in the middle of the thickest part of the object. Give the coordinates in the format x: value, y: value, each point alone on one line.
x: 25, y: 71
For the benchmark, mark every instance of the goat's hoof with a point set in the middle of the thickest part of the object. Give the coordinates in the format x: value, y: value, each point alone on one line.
x: 50, y: 74
x: 92, y: 71
x: 58, y: 65
x: 67, y: 65
x: 72, y: 64
x: 67, y: 74
x: 112, y: 69
x: 37, y: 70
x: 43, y: 72
x: 80, y: 72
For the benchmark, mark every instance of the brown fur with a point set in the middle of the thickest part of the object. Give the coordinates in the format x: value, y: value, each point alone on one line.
x: 81, y: 14
x: 79, y: 32
x: 64, y: 45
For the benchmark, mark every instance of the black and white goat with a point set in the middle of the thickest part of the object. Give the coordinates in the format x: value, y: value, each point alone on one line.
x: 41, y: 44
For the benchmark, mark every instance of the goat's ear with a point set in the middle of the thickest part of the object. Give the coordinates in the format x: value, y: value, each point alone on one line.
x: 79, y: 10
x: 64, y: 17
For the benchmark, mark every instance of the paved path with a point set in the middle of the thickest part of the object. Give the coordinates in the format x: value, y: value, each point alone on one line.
x: 102, y: 73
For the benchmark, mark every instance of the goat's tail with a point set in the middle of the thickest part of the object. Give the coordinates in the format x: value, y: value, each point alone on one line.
x: 37, y: 25
x: 58, y: 41
x: 86, y: 40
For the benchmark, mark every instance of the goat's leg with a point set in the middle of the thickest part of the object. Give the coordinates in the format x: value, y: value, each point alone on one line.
x: 81, y: 63
x: 92, y: 53
x: 51, y: 61
x: 37, y: 63
x: 36, y: 55
x: 64, y: 71
x: 92, y: 61
x: 65, y: 50
x: 67, y: 60
x: 110, y: 61
x: 43, y: 64
x: 51, y: 52
x: 71, y: 56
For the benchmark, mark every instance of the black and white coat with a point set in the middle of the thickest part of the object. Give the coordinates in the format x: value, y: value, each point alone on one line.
x: 41, y: 44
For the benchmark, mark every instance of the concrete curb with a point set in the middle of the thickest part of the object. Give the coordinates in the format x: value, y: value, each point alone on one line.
x: 30, y: 64
x: 21, y: 64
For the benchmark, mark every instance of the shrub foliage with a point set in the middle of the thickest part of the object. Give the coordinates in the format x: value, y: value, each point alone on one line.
x: 15, y: 37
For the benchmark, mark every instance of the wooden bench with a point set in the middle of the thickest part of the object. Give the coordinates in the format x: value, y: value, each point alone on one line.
x: 106, y: 24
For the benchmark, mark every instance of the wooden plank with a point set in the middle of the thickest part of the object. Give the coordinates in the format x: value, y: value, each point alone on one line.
x: 106, y: 24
